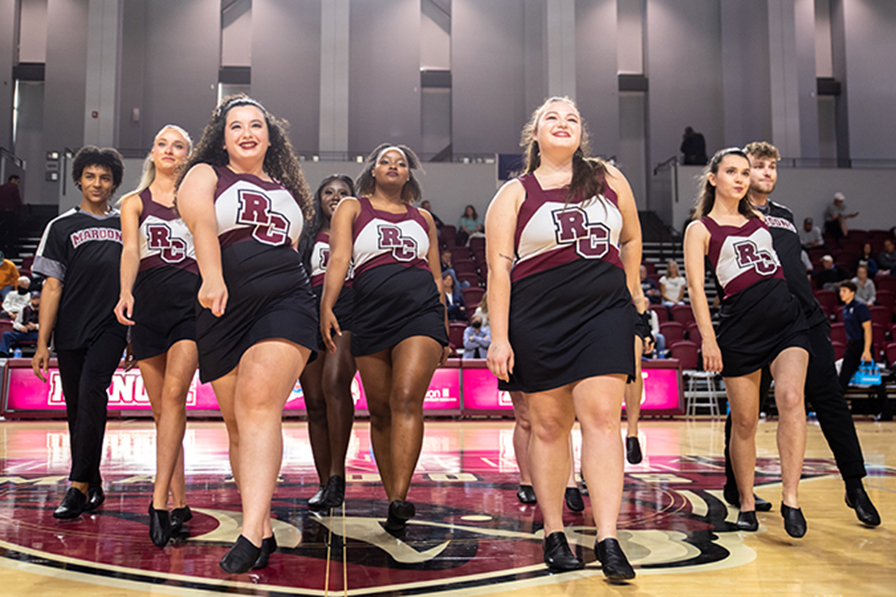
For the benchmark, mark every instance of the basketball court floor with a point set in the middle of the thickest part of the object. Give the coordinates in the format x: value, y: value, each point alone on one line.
x: 470, y: 537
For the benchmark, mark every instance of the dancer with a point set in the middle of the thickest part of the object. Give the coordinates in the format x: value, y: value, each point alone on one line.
x: 327, y: 382
x: 822, y: 384
x: 634, y: 389
x: 159, y: 278
x: 761, y: 324
x: 79, y: 254
x: 557, y: 308
x: 522, y: 433
x: 400, y: 330
x: 243, y: 197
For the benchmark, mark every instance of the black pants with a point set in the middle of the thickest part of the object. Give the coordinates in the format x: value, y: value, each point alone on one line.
x: 852, y: 358
x: 824, y: 392
x: 86, y: 374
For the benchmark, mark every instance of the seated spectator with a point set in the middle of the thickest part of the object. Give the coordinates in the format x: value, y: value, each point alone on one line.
x: 810, y: 235
x: 470, y: 223
x: 651, y: 291
x: 477, y: 339
x: 16, y: 301
x: 672, y: 285
x: 865, y: 290
x: 655, y: 349
x: 25, y: 326
x: 426, y: 205
x: 886, y: 259
x: 835, y: 217
x: 454, y: 300
x: 447, y: 268
x: 482, y: 309
x: 9, y: 276
x: 867, y: 260
x: 804, y: 257
x: 831, y: 275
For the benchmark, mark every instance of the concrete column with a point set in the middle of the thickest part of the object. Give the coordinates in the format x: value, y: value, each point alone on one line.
x: 334, y: 75
x: 560, y: 44
x: 101, y: 93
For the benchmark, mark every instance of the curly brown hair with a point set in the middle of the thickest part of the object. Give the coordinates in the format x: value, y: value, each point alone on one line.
x: 366, y: 183
x: 588, y: 173
x: 280, y: 162
x: 762, y: 150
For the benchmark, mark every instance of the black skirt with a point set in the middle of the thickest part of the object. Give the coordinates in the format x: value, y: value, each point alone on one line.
x: 756, y: 324
x: 164, y: 311
x: 570, y: 323
x: 392, y: 303
x: 269, y: 297
x: 344, y: 310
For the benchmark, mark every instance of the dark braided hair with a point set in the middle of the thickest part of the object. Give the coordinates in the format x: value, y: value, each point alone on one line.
x: 280, y: 162
x: 588, y: 173
x: 309, y: 234
x: 366, y: 183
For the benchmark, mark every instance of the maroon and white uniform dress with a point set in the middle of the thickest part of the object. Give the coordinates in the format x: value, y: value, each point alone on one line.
x: 268, y: 291
x: 345, y: 303
x: 396, y: 296
x: 570, y: 308
x: 759, y: 317
x: 167, y: 281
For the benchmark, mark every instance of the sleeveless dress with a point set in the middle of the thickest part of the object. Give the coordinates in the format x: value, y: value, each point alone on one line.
x: 167, y: 282
x: 571, y: 314
x: 396, y: 296
x: 268, y: 291
x: 345, y: 302
x: 759, y: 317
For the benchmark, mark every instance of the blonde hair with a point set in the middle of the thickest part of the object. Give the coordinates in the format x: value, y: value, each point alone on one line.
x: 148, y: 176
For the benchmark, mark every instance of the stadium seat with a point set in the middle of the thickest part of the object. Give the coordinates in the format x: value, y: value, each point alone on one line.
x: 839, y: 349
x: 838, y: 333
x: 662, y: 313
x: 673, y: 331
x: 683, y: 314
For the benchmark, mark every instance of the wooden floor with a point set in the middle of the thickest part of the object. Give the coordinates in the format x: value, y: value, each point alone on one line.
x: 471, y: 536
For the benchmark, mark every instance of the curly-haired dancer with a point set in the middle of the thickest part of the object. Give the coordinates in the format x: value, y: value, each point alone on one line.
x: 79, y: 254
x: 244, y: 198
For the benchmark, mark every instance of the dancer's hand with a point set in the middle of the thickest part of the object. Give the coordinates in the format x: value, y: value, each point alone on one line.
x: 213, y: 295
x: 124, y: 309
x: 500, y: 360
x: 712, y: 356
x: 328, y: 325
x: 40, y: 362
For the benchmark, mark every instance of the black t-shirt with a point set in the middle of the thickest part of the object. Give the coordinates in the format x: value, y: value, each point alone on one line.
x: 786, y: 241
x: 83, y: 251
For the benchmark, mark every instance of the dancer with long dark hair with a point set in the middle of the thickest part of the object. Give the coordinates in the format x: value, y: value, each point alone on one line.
x: 564, y: 246
x: 761, y: 323
x: 159, y: 278
x: 327, y: 382
x: 400, y: 332
x: 244, y: 198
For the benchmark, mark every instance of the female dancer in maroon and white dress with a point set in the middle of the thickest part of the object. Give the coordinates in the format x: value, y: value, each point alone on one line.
x: 400, y: 332
x: 327, y: 382
x: 159, y: 278
x: 564, y: 246
x: 244, y: 199
x: 760, y: 324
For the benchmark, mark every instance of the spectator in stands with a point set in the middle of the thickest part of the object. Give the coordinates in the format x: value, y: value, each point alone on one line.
x: 886, y: 259
x: 9, y: 276
x: 657, y: 348
x: 477, y: 339
x: 810, y: 235
x: 804, y: 257
x: 25, y: 326
x: 10, y: 206
x: 835, y: 217
x: 470, y: 223
x: 482, y: 309
x: 447, y: 268
x: 831, y: 275
x: 16, y: 301
x: 693, y: 146
x: 865, y: 290
x: 867, y: 260
x: 454, y: 300
x: 648, y: 285
x: 672, y: 285
x: 426, y: 205
x: 857, y: 322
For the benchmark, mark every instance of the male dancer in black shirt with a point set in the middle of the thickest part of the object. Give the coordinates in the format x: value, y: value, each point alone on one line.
x: 822, y: 384
x: 79, y: 254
